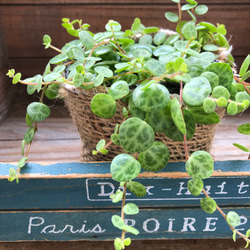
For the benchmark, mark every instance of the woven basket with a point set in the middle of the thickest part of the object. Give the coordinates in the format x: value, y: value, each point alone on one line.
x: 92, y: 128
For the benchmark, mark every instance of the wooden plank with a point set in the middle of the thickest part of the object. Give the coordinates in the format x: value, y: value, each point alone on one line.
x: 95, y: 225
x: 164, y: 2
x: 23, y: 26
x: 60, y: 186
x: 180, y: 244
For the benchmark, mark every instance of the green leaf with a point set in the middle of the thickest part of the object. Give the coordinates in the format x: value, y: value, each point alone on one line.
x: 86, y: 39
x: 244, y: 66
x: 241, y: 147
x: 118, y: 244
x: 117, y: 196
x: 113, y: 25
x: 209, y: 26
x: 136, y: 135
x: 201, y: 117
x: 195, y: 186
x: 38, y: 111
x: 137, y: 188
x: 208, y: 205
x: 52, y: 91
x: 233, y: 219
x: 245, y: 76
x: 28, y: 120
x: 244, y: 129
x: 188, y: 6
x: 12, y: 175
x: 117, y: 221
x: 155, y: 67
x: 78, y: 79
x: 46, y: 41
x: 59, y: 58
x: 150, y: 30
x: 29, y: 135
x: 130, y: 208
x: 21, y: 163
x: 189, y: 31
x: 100, y: 144
x: 196, y: 90
x: 51, y: 77
x: 159, y: 38
x: 22, y: 147
x: 150, y: 96
x: 124, y: 167
x: 103, y: 151
x: 78, y: 54
x: 155, y: 158
x: 172, y: 17
x: 200, y: 165
x: 146, y: 40
x: 136, y: 24
x: 106, y: 72
x: 130, y: 229
x: 127, y: 242
x: 210, y: 47
x: 103, y: 105
x: 234, y: 235
x: 16, y: 78
x: 176, y: 114
x: 201, y: 9
x: 118, y: 89
x: 98, y: 80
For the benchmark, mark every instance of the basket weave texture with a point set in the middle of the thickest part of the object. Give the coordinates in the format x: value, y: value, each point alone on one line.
x: 92, y: 128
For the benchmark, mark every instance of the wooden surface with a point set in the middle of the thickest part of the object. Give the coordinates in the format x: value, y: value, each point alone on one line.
x: 26, y: 21
x: 57, y: 139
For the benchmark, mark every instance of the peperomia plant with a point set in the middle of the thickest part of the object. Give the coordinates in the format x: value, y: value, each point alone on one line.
x: 165, y: 81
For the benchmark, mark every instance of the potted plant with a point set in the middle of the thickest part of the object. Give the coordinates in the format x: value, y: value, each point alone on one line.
x: 148, y: 91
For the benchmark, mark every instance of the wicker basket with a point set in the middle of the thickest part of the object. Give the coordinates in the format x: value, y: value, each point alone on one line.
x: 92, y: 128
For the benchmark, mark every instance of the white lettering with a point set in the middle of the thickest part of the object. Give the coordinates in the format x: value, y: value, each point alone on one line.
x: 129, y: 222
x: 183, y: 188
x: 108, y: 185
x: 34, y: 225
x: 97, y: 229
x: 221, y: 188
x: 145, y: 225
x: 170, y: 225
x: 242, y: 186
x: 243, y: 221
x: 188, y: 222
x: 53, y: 227
x: 208, y: 223
x: 148, y: 188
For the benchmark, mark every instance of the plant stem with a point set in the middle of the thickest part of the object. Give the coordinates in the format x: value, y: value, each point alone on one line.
x: 122, y: 212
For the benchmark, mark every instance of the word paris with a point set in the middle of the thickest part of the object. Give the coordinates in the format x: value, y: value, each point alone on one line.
x: 38, y: 225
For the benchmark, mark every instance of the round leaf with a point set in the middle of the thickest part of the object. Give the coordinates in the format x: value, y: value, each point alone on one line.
x: 117, y: 221
x: 86, y: 39
x: 151, y: 96
x: 137, y: 188
x: 189, y: 31
x: 136, y: 135
x: 118, y: 89
x: 38, y: 111
x: 172, y: 17
x: 200, y: 165
x: 233, y: 219
x: 196, y: 90
x: 208, y: 205
x: 224, y: 72
x: 131, y: 208
x: 103, y: 105
x: 195, y: 186
x: 155, y: 158
x: 124, y: 167
x: 106, y: 72
x: 201, y: 117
